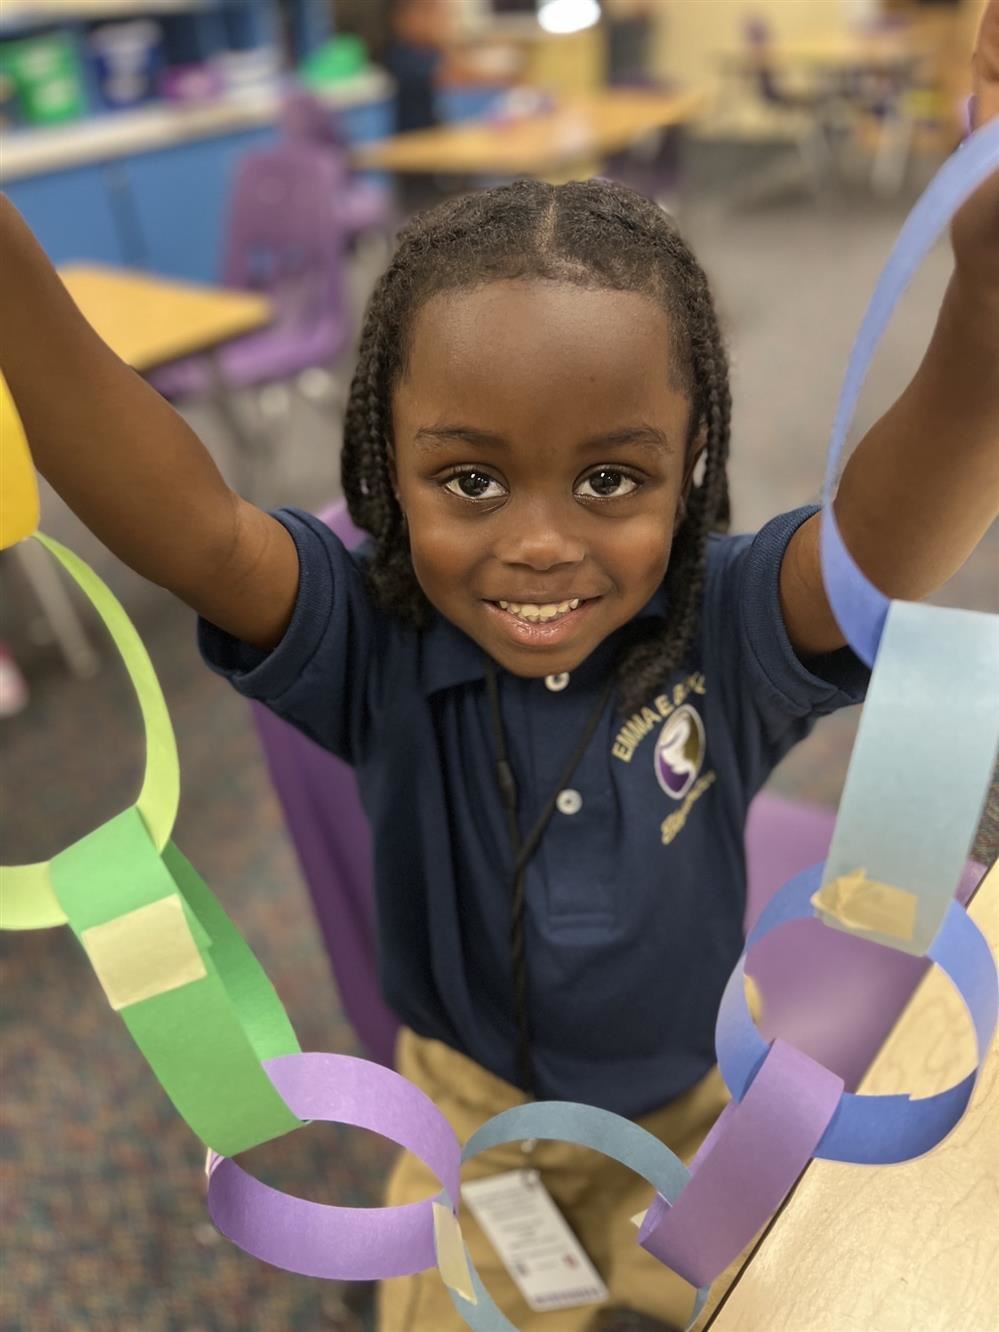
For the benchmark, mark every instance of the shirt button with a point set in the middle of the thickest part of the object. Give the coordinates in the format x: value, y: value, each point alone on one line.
x: 569, y: 801
x: 556, y: 683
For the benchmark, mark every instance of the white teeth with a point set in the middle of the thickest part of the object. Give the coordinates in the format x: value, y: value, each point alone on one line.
x: 537, y: 614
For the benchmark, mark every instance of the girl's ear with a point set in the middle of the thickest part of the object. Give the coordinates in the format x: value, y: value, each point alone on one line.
x: 695, y: 452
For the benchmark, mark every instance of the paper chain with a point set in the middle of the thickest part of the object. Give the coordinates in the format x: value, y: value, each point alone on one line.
x: 205, y: 1016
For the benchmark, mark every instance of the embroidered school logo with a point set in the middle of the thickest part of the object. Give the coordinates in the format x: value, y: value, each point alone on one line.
x: 679, y: 752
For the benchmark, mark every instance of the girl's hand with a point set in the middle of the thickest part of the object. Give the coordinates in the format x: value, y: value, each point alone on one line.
x: 975, y: 231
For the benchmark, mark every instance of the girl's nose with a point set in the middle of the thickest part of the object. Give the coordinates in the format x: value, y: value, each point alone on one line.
x: 538, y: 539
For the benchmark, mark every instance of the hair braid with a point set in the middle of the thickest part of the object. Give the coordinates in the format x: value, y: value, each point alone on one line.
x: 367, y: 478
x: 595, y: 234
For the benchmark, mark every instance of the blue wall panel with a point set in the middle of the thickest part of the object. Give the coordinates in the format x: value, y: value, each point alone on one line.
x: 162, y: 210
x: 74, y: 214
x: 179, y: 196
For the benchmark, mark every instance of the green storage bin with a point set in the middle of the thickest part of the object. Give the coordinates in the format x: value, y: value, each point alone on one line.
x: 46, y: 73
x: 338, y: 59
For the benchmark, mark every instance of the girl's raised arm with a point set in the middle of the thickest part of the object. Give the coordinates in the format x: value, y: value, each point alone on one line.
x: 127, y: 463
x: 922, y: 487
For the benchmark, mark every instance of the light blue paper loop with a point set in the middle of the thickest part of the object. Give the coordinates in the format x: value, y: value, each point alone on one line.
x: 586, y: 1126
x: 921, y: 763
x: 928, y: 737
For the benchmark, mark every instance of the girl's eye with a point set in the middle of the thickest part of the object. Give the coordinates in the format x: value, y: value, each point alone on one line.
x: 607, y: 483
x: 474, y: 485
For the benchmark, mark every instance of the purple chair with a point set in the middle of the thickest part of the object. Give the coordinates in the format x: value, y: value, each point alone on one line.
x: 364, y: 206
x: 816, y: 106
x: 285, y: 237
x: 833, y: 996
x: 330, y: 834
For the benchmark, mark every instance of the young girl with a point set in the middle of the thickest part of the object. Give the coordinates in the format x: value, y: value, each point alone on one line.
x: 559, y: 685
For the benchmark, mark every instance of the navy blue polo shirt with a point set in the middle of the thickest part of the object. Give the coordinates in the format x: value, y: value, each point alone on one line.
x: 635, y: 897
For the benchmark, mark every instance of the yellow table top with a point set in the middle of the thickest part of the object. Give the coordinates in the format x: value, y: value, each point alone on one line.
x: 151, y: 320
x: 902, y: 1248
x: 578, y: 130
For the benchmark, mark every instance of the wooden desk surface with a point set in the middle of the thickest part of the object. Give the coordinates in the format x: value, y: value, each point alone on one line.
x: 150, y: 320
x: 579, y: 130
x: 903, y: 1248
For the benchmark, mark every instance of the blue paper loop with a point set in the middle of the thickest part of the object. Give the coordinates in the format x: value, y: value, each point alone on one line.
x: 869, y: 1130
x: 859, y: 607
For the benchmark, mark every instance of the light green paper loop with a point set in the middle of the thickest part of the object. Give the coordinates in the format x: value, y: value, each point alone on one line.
x: 27, y: 897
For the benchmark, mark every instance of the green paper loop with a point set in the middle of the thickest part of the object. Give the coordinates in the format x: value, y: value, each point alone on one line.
x: 206, y: 1038
x: 27, y: 898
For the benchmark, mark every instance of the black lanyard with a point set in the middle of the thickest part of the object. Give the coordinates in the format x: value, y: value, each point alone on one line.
x: 524, y: 849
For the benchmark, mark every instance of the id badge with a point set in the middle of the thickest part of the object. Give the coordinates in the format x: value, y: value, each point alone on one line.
x: 533, y: 1241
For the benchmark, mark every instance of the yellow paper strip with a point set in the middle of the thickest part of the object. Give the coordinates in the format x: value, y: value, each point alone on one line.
x: 144, y: 953
x: 858, y: 903
x: 18, y: 489
x: 451, y: 1257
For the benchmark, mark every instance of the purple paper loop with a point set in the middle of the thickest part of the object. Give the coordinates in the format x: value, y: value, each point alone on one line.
x: 341, y: 1243
x: 756, y: 1152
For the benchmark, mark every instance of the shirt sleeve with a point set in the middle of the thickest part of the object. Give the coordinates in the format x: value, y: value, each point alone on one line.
x: 773, y: 695
x: 325, y: 675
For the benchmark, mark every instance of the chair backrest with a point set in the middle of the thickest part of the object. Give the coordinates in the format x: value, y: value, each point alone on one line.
x: 833, y: 996
x: 332, y: 839
x: 757, y: 36
x: 304, y: 118
x: 284, y: 232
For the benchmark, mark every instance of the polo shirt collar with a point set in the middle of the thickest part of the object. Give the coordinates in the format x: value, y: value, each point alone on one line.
x: 450, y: 658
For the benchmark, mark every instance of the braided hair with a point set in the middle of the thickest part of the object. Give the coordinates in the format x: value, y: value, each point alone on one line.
x: 594, y: 234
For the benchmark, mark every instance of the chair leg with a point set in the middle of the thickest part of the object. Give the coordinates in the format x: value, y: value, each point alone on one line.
x: 57, y: 606
x: 891, y: 161
x: 817, y: 157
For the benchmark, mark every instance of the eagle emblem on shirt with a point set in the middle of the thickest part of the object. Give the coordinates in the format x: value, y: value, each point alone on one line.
x: 679, y: 752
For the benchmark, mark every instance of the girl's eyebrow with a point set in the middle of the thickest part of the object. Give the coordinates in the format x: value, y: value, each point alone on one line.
x: 642, y: 436
x: 431, y: 437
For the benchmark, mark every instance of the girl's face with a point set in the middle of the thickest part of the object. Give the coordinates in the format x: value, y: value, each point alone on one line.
x: 540, y: 459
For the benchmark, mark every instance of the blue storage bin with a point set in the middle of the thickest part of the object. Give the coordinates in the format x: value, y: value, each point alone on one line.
x: 127, y: 59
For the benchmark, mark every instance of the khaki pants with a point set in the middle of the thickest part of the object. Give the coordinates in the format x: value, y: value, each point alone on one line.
x: 597, y: 1196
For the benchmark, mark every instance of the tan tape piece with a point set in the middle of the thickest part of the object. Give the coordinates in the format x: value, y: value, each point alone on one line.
x: 144, y: 953
x: 859, y: 903
x: 451, y: 1257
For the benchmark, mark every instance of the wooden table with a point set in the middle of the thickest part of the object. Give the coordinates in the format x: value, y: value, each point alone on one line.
x: 149, y: 321
x: 903, y: 1248
x: 579, y: 130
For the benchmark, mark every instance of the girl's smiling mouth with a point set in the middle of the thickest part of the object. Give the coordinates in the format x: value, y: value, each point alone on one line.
x: 540, y: 624
x: 535, y: 613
